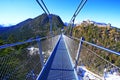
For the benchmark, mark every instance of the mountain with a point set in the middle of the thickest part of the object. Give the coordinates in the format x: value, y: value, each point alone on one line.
x: 1, y: 26
x: 31, y: 28
x: 3, y: 29
x: 22, y: 23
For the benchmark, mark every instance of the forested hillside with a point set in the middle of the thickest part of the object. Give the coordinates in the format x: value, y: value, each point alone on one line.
x: 108, y: 37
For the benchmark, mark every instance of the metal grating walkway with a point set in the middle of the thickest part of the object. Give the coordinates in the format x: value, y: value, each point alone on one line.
x: 59, y: 66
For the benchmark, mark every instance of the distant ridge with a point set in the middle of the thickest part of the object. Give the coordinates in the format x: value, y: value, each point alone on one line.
x: 1, y: 26
x: 32, y: 27
x: 23, y: 22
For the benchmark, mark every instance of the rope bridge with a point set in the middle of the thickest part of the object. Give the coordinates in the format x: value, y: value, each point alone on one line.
x: 58, y: 57
x: 62, y: 58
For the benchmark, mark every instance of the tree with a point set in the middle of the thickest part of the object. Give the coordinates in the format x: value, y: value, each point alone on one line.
x: 1, y: 42
x: 11, y: 39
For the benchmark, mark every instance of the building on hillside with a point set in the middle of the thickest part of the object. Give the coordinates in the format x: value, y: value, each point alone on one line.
x: 88, y: 22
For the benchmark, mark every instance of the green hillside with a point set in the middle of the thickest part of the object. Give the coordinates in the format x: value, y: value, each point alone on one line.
x: 108, y: 37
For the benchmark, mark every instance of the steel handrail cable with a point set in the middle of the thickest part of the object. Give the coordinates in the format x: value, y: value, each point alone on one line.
x: 93, y: 51
x: 20, y: 43
x: 100, y: 47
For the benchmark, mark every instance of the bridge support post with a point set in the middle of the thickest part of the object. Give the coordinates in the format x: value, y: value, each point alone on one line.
x: 78, y: 52
x: 50, y: 21
x: 40, y: 51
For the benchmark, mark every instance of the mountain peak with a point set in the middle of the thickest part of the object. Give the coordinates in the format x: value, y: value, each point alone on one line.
x: 32, y: 27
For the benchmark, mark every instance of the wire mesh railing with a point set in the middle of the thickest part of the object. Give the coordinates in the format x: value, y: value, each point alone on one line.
x: 18, y: 65
x: 72, y: 46
x: 94, y: 62
x: 21, y: 61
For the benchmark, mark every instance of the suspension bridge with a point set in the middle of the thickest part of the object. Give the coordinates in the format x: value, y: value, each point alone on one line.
x: 57, y: 57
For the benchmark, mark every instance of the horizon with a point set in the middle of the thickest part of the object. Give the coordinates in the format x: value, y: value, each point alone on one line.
x: 79, y: 22
x: 102, y: 11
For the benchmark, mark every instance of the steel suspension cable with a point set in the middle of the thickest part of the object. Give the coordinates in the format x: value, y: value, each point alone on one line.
x: 82, y: 5
x: 43, y: 6
x: 79, y: 8
x: 76, y: 10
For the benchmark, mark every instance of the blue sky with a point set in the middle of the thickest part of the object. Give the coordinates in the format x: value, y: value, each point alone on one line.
x: 15, y: 11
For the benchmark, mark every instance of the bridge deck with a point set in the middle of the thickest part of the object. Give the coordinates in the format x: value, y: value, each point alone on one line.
x: 59, y: 65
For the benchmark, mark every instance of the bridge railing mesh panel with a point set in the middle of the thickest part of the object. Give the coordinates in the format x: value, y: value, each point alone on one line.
x: 98, y: 62
x: 22, y: 62
x: 72, y: 45
x: 48, y: 45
